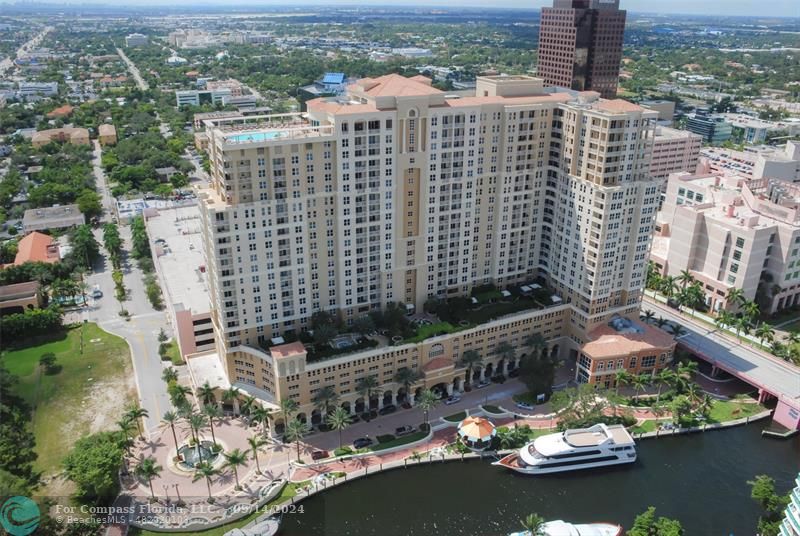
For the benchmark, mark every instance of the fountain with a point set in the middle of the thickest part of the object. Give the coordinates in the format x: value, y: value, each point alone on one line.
x: 191, y: 455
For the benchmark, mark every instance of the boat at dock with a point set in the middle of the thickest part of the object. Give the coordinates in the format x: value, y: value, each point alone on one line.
x: 562, y: 528
x: 581, y: 448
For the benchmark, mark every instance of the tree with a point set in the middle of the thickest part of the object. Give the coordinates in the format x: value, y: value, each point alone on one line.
x: 762, y: 490
x: 407, y: 378
x: 205, y: 470
x: 665, y: 377
x: 206, y: 394
x: 534, y: 524
x: 289, y: 407
x: 685, y: 278
x: 648, y: 316
x: 135, y: 413
x: 85, y: 249
x: 89, y: 203
x: 366, y: 387
x: 235, y: 459
x: 680, y: 407
x: 148, y: 469
x: 742, y: 326
x: 249, y: 403
x: 260, y: 415
x: 646, y: 524
x: 621, y: 377
x: 471, y: 359
x: 325, y: 399
x: 640, y: 382
x: 197, y: 421
x: 178, y: 393
x: 295, y: 431
x: 427, y: 401
x: 256, y: 442
x: 338, y: 419
x: 537, y: 370
x: 230, y: 395
x: 48, y: 362
x: 735, y: 297
x: 112, y: 242
x: 578, y: 406
x: 765, y: 333
x: 752, y: 311
x: 170, y: 418
x: 364, y: 325
x: 725, y: 319
x: 505, y: 350
x: 212, y: 411
x: 93, y: 465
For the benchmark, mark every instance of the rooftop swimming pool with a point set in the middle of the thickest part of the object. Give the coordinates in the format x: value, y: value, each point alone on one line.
x: 255, y: 136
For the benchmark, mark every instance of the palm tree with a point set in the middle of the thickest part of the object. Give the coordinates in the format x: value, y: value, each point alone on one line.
x: 765, y: 332
x: 470, y: 359
x: 366, y: 387
x: 235, y: 459
x: 230, y: 395
x: 407, y: 377
x: 639, y: 382
x: 178, y: 393
x: 206, y: 394
x: 648, y: 316
x: 506, y: 350
x: 260, y: 415
x: 669, y: 286
x: 536, y: 343
x: 126, y: 427
x: 534, y: 524
x: 724, y: 319
x: 256, y: 442
x: 622, y: 377
x: 170, y: 418
x: 295, y: 430
x: 742, y: 326
x: 248, y: 404
x: 338, y: 419
x: 289, y: 407
x: 678, y: 331
x: 212, y: 411
x: 197, y: 421
x: 793, y: 337
x: 693, y: 392
x: 705, y: 405
x: 205, y: 470
x: 686, y: 373
x: 427, y: 401
x: 148, y: 469
x: 665, y: 377
x: 735, y: 296
x: 169, y: 375
x: 685, y: 278
x: 661, y: 322
x: 752, y: 311
x: 325, y: 399
x: 134, y: 414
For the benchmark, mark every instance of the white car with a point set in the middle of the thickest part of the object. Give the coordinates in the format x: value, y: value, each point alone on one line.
x: 452, y: 400
x: 524, y: 405
x: 482, y: 384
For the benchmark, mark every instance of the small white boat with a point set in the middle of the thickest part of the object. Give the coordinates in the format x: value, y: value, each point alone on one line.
x: 583, y: 448
x: 562, y: 528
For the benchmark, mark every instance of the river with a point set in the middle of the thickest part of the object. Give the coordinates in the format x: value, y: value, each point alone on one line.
x: 700, y: 479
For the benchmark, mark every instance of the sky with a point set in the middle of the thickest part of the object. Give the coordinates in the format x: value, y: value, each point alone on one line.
x: 770, y: 8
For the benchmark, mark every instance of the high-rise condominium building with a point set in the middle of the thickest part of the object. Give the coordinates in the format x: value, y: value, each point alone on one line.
x: 395, y: 192
x: 580, y: 45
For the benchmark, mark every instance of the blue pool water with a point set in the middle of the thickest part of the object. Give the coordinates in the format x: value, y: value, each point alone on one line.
x: 255, y: 136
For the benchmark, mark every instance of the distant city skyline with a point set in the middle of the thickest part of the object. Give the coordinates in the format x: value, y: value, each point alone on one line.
x: 774, y: 8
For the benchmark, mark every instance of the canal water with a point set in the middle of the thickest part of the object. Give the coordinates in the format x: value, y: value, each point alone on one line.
x: 700, y: 479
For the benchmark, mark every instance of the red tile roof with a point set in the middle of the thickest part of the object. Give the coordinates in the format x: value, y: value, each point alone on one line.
x: 607, y: 342
x: 437, y: 364
x: 36, y: 247
x: 286, y: 350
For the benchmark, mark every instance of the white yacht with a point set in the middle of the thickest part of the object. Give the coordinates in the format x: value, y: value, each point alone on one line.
x: 562, y: 528
x: 582, y: 448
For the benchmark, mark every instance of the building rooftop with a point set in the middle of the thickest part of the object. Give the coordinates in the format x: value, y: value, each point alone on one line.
x: 36, y: 247
x: 178, y: 248
x: 51, y: 215
x: 617, y: 106
x: 18, y: 290
x: 207, y: 368
x: 106, y: 130
x: 287, y: 350
x: 395, y: 85
x: 612, y: 339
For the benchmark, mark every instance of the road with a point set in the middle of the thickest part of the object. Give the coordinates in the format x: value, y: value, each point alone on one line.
x: 8, y: 63
x: 770, y: 373
x: 137, y: 76
x: 142, y: 330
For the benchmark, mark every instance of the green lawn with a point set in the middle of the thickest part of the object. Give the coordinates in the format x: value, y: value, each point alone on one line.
x: 174, y: 353
x: 288, y: 491
x: 648, y: 426
x: 525, y: 398
x: 410, y: 438
x: 731, y: 410
x: 502, y: 308
x: 489, y: 408
x: 425, y: 332
x: 458, y: 417
x: 72, y: 401
x: 485, y: 297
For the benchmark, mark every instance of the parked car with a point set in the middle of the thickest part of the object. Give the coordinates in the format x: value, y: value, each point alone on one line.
x: 403, y: 430
x: 319, y: 455
x: 452, y: 400
x: 498, y: 378
x: 482, y: 384
x: 405, y: 405
x: 524, y: 405
x: 362, y: 442
x: 96, y: 292
x: 514, y: 373
x: 386, y: 410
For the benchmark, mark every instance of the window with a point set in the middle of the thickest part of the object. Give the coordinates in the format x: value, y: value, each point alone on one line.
x: 740, y: 242
x: 436, y: 350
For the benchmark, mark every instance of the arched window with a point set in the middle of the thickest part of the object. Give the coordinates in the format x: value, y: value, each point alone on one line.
x: 436, y: 350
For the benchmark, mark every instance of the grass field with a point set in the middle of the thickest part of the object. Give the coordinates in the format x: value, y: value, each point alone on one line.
x: 404, y: 440
x: 174, y: 353
x: 84, y: 394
